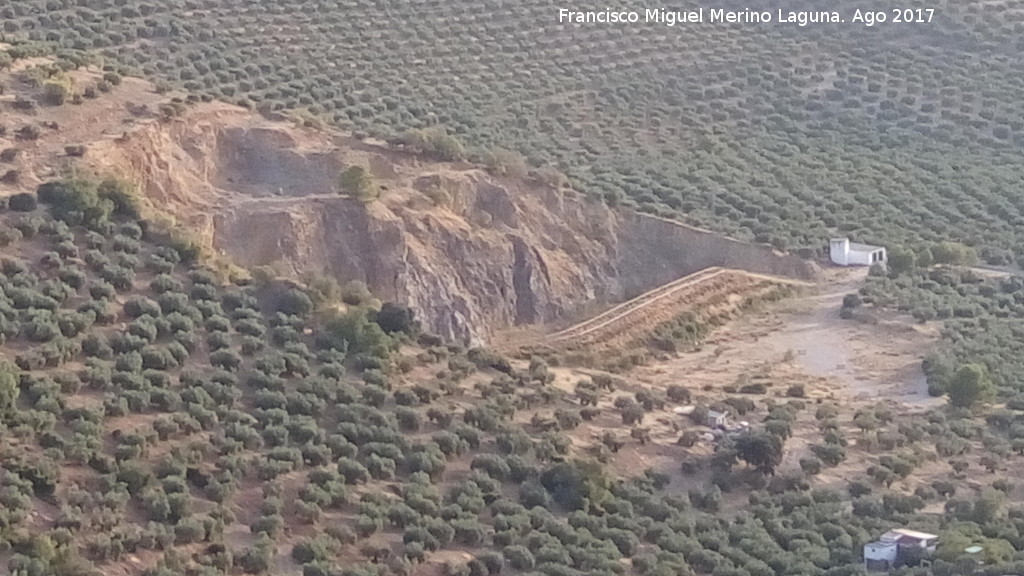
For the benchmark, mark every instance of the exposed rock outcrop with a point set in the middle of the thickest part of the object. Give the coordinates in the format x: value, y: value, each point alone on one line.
x: 471, y: 253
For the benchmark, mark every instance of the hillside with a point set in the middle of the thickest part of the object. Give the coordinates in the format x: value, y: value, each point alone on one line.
x: 244, y: 304
x: 895, y: 133
x: 157, y: 421
x: 470, y: 251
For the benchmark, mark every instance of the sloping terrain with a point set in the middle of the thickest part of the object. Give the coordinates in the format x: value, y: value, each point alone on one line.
x: 470, y: 252
x: 156, y: 422
x: 706, y: 294
x: 896, y: 132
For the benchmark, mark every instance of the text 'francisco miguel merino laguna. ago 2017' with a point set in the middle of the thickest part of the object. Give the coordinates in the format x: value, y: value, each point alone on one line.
x: 698, y: 16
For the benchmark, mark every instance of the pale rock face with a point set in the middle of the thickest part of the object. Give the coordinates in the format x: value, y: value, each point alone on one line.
x: 472, y: 254
x: 465, y: 280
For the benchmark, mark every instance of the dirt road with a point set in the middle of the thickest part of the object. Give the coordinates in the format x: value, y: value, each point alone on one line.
x: 701, y: 292
x: 805, y: 341
x: 798, y: 341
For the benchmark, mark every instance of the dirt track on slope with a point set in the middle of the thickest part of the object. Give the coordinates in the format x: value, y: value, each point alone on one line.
x: 710, y: 291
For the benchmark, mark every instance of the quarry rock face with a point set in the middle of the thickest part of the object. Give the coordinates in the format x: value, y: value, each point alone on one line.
x: 529, y: 263
x: 483, y: 264
x: 469, y: 252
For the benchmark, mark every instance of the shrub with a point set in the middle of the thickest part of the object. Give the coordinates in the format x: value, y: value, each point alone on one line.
x: 495, y: 466
x: 55, y: 93
x: 493, y: 561
x: 356, y: 181
x: 574, y: 484
x: 352, y: 471
x: 830, y: 454
x: 9, y: 236
x: 367, y: 526
x: 434, y: 141
x: 189, y: 530
x: 677, y: 393
x: 225, y: 359
x: 519, y: 557
x: 23, y: 202
x: 270, y: 524
x: 409, y: 420
x: 311, y: 550
x: 28, y: 225
x: 810, y: 466
x: 295, y: 302
x: 970, y: 385
x: 952, y: 253
x: 29, y: 132
x: 256, y: 559
x: 341, y: 533
x: 393, y: 318
x: 352, y: 331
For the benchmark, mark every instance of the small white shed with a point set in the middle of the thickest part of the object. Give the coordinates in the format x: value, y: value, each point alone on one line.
x: 880, y: 555
x: 716, y: 419
x: 846, y: 253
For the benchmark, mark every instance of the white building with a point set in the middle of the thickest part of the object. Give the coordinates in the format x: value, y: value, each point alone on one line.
x: 882, y: 554
x: 912, y: 539
x: 879, y: 556
x: 716, y: 419
x: 846, y: 253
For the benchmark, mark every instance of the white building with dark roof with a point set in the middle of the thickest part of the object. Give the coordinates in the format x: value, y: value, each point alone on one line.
x: 846, y: 253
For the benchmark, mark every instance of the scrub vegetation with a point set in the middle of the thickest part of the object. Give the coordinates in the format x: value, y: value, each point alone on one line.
x: 160, y: 416
x: 891, y: 133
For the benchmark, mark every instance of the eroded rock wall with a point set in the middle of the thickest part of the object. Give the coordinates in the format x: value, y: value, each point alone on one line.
x: 488, y: 258
x: 472, y: 254
x: 493, y: 257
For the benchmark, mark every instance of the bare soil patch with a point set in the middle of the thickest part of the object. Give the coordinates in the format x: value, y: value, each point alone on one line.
x: 805, y: 341
x: 799, y: 343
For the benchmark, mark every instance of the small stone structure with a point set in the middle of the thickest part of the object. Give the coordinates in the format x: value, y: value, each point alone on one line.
x: 846, y: 253
x: 716, y: 419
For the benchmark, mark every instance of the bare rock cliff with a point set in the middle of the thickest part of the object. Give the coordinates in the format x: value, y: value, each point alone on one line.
x: 480, y: 258
x: 470, y: 253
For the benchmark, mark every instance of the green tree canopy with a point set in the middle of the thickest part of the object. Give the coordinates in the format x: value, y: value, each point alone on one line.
x: 75, y: 201
x: 953, y: 253
x: 970, y: 385
x: 8, y: 388
x: 576, y: 485
x: 901, y: 260
x: 356, y: 181
x: 759, y: 449
x: 353, y: 332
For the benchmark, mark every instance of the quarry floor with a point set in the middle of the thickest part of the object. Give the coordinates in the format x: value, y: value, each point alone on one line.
x: 800, y: 340
x: 804, y: 341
